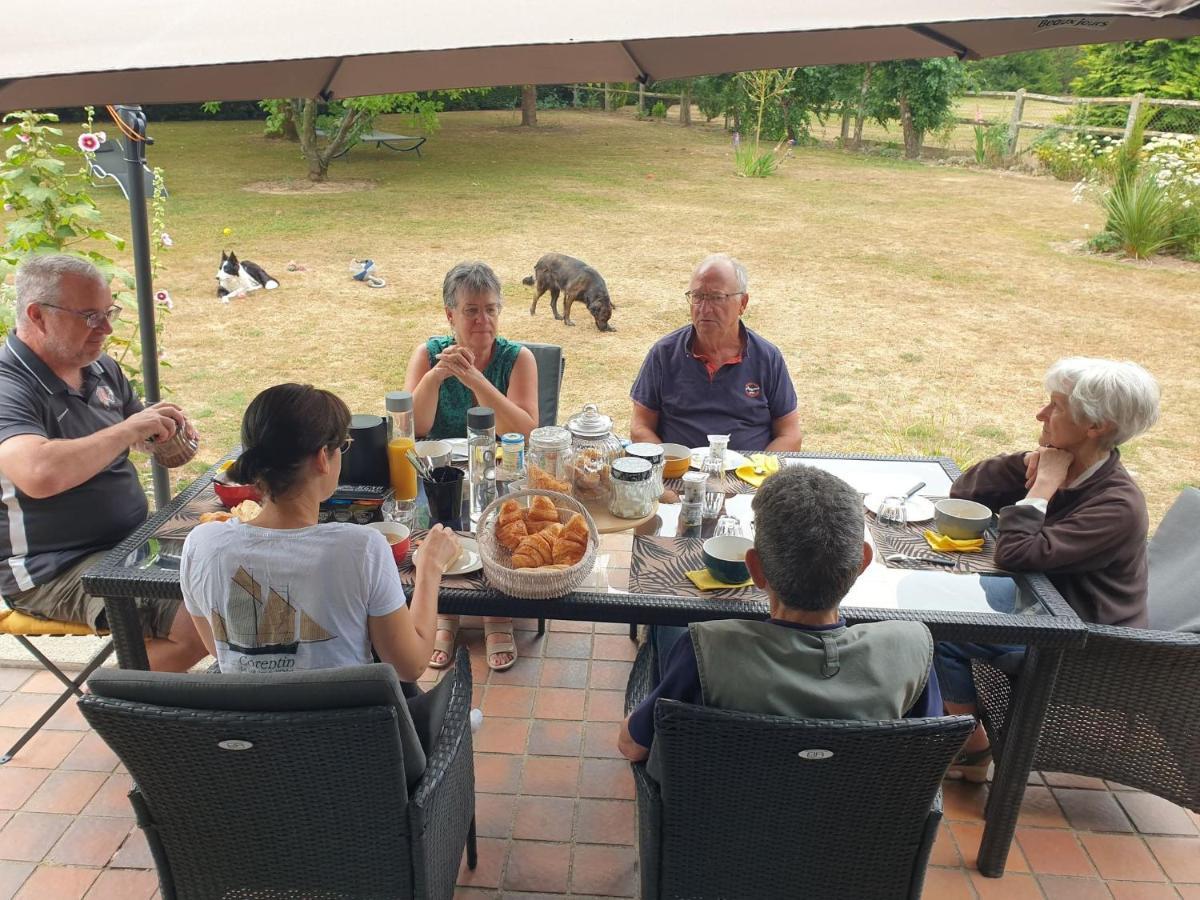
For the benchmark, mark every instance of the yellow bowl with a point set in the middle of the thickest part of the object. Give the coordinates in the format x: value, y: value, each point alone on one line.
x: 677, y: 460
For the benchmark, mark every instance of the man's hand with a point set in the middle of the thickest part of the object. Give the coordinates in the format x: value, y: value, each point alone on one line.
x: 153, y: 424
x: 440, y: 549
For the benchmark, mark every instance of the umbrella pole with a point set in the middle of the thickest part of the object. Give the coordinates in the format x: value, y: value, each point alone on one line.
x: 135, y: 160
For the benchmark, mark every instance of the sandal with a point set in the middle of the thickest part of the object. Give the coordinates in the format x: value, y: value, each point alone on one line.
x: 972, y: 767
x: 444, y: 646
x: 491, y: 648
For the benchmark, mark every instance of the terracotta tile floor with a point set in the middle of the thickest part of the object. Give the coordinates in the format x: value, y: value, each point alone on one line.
x: 555, y: 803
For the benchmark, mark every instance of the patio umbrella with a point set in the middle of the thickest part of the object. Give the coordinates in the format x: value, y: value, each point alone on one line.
x: 150, y: 51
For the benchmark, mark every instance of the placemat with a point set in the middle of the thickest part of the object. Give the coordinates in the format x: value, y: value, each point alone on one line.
x: 910, y: 540
x: 732, y: 485
x: 187, y: 516
x: 659, y: 566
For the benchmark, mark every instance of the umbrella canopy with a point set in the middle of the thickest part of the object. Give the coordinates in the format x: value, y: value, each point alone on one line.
x: 150, y: 51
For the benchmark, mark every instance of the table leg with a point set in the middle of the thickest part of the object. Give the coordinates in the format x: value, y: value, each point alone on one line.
x: 1023, y: 728
x: 125, y: 623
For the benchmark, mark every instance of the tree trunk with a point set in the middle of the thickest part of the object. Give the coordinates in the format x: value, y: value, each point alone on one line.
x: 287, y: 128
x: 685, y: 103
x: 912, y: 136
x: 845, y: 132
x: 862, y: 106
x: 528, y: 106
x: 319, y: 156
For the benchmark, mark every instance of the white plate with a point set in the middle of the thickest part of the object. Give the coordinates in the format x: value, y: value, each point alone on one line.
x: 733, y: 459
x: 466, y: 563
x: 919, y: 508
x: 458, y: 449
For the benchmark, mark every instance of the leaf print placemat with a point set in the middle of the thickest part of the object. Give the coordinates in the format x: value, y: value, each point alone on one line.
x: 187, y: 516
x: 910, y: 540
x: 469, y: 581
x: 660, y: 564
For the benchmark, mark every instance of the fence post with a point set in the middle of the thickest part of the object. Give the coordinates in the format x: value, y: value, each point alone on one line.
x: 1135, y: 107
x: 607, y: 98
x: 1014, y: 123
x: 641, y: 100
x: 575, y: 96
x: 685, y: 103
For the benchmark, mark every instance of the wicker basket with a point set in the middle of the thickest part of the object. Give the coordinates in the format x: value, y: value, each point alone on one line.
x: 532, y: 584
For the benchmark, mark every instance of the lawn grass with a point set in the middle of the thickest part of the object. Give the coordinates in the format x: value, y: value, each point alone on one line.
x: 917, y: 306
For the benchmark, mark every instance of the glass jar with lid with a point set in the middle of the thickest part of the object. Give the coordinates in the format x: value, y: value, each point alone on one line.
x: 594, y: 447
x: 653, y: 454
x: 548, y: 459
x: 632, y: 493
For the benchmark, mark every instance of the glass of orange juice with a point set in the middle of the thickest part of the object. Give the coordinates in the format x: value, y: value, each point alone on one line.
x: 400, y: 470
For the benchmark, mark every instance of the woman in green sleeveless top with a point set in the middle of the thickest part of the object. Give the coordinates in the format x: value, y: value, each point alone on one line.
x: 472, y: 366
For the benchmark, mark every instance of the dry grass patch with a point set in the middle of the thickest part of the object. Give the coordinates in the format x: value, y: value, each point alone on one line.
x: 917, y: 306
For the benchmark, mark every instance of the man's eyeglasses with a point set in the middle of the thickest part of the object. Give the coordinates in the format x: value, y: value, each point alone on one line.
x: 344, y: 446
x: 91, y: 319
x: 697, y: 297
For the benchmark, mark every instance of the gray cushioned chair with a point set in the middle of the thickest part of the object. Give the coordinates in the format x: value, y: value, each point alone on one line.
x: 550, y: 366
x: 304, y: 784
x: 751, y: 805
x: 1126, y: 705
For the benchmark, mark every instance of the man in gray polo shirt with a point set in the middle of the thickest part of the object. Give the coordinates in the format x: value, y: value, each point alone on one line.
x: 716, y: 376
x: 68, y: 492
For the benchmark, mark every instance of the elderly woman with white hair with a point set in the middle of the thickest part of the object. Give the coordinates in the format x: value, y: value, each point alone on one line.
x: 1068, y: 509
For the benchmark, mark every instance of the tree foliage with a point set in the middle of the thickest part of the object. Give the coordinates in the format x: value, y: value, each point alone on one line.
x: 918, y: 92
x: 1039, y: 71
x: 1160, y: 68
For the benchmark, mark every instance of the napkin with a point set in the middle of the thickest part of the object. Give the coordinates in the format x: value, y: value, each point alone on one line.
x: 705, y: 582
x: 767, y: 462
x: 950, y: 545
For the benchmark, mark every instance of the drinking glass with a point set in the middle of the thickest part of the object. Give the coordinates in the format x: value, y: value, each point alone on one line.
x: 728, y: 525
x: 892, y: 512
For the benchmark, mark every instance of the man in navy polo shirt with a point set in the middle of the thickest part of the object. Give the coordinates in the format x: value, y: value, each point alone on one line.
x: 68, y: 492
x: 716, y: 376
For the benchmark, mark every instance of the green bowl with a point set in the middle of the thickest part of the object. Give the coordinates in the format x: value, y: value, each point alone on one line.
x: 962, y: 520
x: 725, y: 558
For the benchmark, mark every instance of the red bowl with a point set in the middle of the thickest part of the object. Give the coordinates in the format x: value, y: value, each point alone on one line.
x: 232, y: 494
x: 399, y: 537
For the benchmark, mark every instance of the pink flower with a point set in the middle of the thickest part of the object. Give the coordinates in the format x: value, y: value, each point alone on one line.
x: 737, y: 139
x: 163, y: 298
x: 88, y: 142
x: 166, y: 240
x: 8, y: 207
x: 100, y: 136
x: 23, y: 138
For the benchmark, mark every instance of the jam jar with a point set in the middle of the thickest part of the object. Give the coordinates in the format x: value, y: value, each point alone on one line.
x: 632, y: 495
x: 594, y: 447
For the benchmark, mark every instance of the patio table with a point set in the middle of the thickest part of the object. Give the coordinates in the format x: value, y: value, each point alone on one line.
x: 638, y: 579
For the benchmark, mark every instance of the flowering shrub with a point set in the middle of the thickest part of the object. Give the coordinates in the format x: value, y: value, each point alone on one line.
x: 1075, y: 157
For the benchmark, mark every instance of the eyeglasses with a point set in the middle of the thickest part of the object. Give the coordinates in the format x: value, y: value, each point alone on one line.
x: 91, y: 319
x: 344, y: 446
x: 697, y: 297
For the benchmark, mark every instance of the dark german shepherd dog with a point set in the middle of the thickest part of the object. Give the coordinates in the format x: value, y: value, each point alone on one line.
x: 575, y: 280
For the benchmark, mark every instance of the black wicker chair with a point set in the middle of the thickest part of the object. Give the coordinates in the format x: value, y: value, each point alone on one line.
x: 1126, y: 705
x: 292, y: 785
x: 763, y: 806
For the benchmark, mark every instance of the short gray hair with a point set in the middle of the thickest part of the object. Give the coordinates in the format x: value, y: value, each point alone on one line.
x: 474, y: 277
x: 739, y: 270
x: 39, y: 279
x: 809, y: 535
x: 1103, y: 391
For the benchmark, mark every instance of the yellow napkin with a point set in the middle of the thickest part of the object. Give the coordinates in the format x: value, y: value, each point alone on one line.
x: 950, y: 545
x: 767, y: 462
x: 703, y: 580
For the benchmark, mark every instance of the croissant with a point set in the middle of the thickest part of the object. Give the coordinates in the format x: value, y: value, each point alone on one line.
x: 572, y: 542
x: 542, y: 514
x: 536, y: 549
x: 510, y: 526
x: 540, y: 478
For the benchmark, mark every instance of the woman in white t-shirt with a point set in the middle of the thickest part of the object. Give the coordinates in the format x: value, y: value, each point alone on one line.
x: 285, y: 593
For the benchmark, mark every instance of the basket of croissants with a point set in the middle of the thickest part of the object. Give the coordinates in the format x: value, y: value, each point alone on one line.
x: 536, y: 544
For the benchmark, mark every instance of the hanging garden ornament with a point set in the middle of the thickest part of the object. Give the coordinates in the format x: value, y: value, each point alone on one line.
x: 163, y: 298
x: 89, y: 142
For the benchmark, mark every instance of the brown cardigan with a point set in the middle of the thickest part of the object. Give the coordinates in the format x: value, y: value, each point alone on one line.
x: 1091, y: 541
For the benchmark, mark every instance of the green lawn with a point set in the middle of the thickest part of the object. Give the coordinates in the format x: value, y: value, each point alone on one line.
x: 918, y: 306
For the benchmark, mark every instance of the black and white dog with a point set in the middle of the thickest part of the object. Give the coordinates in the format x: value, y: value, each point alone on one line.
x: 236, y: 279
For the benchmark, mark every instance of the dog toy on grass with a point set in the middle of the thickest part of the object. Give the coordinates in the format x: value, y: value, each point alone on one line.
x: 364, y: 270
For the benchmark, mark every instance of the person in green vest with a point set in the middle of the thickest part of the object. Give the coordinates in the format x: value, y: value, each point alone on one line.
x: 472, y: 366
x: 804, y: 661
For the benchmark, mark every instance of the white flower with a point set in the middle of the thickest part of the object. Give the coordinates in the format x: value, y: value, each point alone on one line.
x: 101, y: 136
x: 166, y: 240
x: 8, y: 207
x: 88, y: 142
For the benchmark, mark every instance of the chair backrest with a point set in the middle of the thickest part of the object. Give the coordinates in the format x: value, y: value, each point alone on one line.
x: 1174, y: 562
x: 765, y: 806
x: 294, y: 779
x: 550, y: 366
